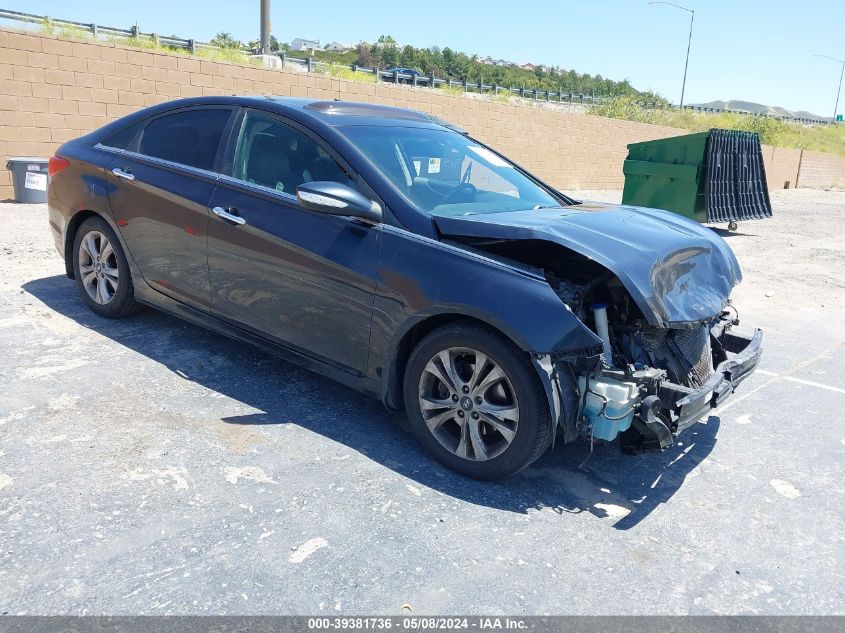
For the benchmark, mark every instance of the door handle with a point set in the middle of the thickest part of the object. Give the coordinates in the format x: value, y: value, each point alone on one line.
x: 126, y: 175
x: 220, y: 212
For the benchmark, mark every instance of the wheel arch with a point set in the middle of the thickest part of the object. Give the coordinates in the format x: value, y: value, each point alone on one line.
x: 394, y: 373
x: 70, y: 234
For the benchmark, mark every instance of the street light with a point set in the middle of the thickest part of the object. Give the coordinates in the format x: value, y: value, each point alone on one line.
x: 689, y: 43
x: 265, y: 28
x: 842, y: 72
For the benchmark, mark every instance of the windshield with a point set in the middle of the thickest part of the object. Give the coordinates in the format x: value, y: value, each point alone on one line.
x: 445, y: 173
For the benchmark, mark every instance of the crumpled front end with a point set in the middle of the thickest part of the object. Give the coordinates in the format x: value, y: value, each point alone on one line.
x: 651, y: 384
x: 655, y: 288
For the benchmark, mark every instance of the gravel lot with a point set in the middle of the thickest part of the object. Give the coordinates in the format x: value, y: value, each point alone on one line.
x: 149, y: 467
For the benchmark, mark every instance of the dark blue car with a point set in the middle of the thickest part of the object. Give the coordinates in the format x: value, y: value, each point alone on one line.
x: 404, y: 75
x: 394, y: 253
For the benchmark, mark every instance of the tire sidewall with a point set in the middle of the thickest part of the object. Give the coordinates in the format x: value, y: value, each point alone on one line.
x: 116, y: 306
x: 533, y: 415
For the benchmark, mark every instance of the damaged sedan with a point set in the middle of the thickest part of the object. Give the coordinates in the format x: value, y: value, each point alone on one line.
x: 390, y: 251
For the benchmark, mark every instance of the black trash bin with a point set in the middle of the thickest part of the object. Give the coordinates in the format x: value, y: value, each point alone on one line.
x: 29, y: 177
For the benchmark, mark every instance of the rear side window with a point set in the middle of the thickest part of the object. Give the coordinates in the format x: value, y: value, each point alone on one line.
x: 127, y: 138
x: 190, y: 137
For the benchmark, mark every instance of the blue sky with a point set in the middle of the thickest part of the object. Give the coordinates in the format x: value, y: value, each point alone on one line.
x: 756, y: 51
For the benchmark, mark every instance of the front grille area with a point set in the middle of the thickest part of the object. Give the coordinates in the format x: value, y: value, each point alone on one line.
x: 696, y: 355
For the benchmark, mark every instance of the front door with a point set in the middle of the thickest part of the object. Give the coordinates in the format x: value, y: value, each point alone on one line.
x: 162, y: 184
x: 304, y: 279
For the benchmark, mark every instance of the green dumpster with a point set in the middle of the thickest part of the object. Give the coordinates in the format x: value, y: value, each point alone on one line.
x: 715, y: 176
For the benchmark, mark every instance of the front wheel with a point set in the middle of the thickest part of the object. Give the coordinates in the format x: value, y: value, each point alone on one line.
x: 101, y: 270
x: 476, y: 403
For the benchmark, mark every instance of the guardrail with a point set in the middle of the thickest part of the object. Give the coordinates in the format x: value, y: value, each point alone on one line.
x: 310, y: 64
x: 98, y: 31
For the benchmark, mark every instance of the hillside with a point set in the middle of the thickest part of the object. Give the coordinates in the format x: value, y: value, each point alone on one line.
x: 758, y: 108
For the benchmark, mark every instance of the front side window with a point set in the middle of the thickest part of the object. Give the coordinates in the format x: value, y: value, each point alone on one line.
x: 275, y: 155
x: 442, y: 172
x: 190, y: 137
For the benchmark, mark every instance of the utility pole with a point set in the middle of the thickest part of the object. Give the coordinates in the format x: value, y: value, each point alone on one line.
x: 689, y: 43
x: 839, y: 90
x: 265, y: 27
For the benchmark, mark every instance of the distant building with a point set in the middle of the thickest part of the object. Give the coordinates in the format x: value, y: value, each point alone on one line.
x: 338, y: 47
x: 487, y: 60
x: 301, y: 44
x: 527, y: 66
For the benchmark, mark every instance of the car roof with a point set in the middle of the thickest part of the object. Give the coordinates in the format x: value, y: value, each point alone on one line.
x: 334, y: 113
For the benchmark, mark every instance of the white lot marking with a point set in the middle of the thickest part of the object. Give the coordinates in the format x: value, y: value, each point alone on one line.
x: 252, y: 473
x: 797, y: 367
x: 743, y: 419
x: 177, y: 474
x: 5, y: 480
x: 266, y: 534
x: 785, y: 488
x: 306, y: 549
x: 801, y: 381
x: 413, y: 491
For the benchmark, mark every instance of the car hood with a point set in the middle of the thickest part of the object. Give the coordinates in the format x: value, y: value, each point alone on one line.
x: 676, y: 270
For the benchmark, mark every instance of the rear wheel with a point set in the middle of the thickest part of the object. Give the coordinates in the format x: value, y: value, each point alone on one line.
x: 475, y: 402
x: 101, y: 270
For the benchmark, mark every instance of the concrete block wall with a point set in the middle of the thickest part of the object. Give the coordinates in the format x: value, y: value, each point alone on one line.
x: 820, y: 171
x: 53, y: 89
x: 782, y: 166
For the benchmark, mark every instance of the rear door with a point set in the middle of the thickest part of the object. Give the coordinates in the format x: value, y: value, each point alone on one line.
x: 304, y: 279
x: 163, y: 174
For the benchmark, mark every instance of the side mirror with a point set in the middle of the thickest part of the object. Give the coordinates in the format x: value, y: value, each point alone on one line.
x: 337, y: 199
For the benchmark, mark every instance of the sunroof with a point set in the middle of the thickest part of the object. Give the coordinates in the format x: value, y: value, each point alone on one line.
x: 347, y: 108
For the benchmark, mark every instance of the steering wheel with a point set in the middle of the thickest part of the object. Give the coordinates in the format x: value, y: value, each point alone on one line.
x: 465, y: 188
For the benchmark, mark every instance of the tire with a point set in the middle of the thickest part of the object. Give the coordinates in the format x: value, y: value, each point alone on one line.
x: 499, y: 424
x: 101, y: 270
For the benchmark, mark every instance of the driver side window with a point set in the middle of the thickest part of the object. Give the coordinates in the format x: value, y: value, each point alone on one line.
x: 275, y: 155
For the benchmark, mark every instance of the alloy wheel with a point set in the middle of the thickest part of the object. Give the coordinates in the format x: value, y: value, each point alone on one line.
x: 468, y: 403
x: 98, y: 267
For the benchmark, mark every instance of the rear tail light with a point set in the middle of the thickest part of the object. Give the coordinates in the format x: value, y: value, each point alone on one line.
x: 56, y: 165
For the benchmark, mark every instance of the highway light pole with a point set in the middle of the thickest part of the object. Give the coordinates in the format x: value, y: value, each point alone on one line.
x: 265, y: 27
x: 689, y: 42
x: 841, y: 74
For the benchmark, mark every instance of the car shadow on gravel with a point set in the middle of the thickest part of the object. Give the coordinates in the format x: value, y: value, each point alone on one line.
x: 619, y: 489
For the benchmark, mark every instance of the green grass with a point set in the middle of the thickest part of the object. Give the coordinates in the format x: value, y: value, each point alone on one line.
x: 343, y: 72
x: 48, y: 27
x: 212, y: 54
x: 451, y: 90
x: 67, y: 31
x: 347, y: 58
x: 821, y: 138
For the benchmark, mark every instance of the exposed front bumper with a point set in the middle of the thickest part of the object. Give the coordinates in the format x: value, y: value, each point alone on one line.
x: 690, y: 405
x: 661, y: 409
